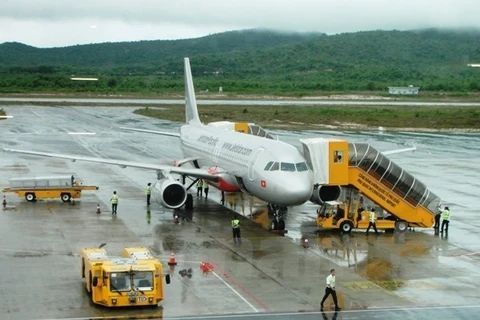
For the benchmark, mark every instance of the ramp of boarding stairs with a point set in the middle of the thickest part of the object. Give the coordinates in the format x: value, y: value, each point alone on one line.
x: 390, y: 186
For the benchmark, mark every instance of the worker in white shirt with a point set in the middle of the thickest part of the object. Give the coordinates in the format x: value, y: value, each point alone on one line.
x: 330, y: 289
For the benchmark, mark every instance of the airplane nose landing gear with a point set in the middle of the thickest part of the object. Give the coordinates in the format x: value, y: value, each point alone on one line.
x: 277, y: 223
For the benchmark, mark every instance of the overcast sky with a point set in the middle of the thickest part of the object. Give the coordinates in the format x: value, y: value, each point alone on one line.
x: 54, y: 23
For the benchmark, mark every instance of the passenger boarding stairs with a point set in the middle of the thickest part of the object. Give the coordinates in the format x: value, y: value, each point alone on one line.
x: 375, y: 176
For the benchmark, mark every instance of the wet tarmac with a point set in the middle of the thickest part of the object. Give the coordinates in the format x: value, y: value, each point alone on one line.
x: 267, y: 272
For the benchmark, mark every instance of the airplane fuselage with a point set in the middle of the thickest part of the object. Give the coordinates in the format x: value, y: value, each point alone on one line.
x: 271, y: 170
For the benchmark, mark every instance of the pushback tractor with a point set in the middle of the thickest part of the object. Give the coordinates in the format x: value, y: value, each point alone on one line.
x: 134, y: 279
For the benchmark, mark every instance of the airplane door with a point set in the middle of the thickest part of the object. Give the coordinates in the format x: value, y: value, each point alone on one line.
x: 253, y: 162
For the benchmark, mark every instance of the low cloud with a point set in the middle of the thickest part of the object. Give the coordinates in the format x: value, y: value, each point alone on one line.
x: 88, y: 21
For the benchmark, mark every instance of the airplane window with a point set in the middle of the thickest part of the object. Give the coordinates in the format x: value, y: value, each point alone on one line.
x: 274, y: 167
x: 302, y: 166
x: 288, y: 166
x: 267, y: 167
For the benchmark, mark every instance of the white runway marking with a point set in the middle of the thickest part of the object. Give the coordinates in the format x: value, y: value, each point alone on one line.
x: 235, y: 291
x: 85, y: 133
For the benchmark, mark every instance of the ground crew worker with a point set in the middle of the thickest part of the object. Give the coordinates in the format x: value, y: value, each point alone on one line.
x: 222, y: 201
x: 437, y: 217
x: 199, y: 188
x: 205, y: 189
x: 330, y: 290
x: 446, y: 219
x: 149, y: 193
x: 236, y: 229
x: 114, y: 201
x: 371, y: 222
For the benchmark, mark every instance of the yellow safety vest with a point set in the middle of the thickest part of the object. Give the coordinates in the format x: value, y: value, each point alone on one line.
x: 199, y: 184
x: 235, y: 223
x: 149, y: 190
x: 372, y: 216
x: 446, y: 215
x: 205, y: 186
x: 114, y: 199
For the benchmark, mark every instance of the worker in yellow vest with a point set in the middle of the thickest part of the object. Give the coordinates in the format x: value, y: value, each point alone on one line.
x: 236, y: 229
x: 445, y: 219
x: 200, y: 188
x: 371, y: 223
x: 205, y: 189
x: 114, y: 201
x: 149, y: 193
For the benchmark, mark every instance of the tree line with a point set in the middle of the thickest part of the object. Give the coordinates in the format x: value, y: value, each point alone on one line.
x: 253, y: 62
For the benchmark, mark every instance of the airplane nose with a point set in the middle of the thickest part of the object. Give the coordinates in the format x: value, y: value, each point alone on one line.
x: 297, y: 192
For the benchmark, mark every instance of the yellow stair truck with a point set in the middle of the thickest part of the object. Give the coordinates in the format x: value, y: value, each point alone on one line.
x: 64, y: 187
x: 134, y: 279
x: 347, y: 173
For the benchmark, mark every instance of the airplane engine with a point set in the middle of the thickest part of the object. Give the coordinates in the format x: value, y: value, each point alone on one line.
x: 325, y: 193
x: 169, y: 193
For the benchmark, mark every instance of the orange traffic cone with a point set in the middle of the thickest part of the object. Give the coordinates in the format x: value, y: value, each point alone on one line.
x: 98, y: 209
x: 171, y: 261
x: 206, y: 267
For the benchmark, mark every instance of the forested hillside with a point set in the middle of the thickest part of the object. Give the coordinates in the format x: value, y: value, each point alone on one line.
x: 254, y: 61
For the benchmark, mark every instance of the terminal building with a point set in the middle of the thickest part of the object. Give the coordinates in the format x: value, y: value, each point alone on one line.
x: 410, y: 90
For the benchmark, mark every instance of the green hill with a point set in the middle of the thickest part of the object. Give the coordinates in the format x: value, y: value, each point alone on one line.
x: 254, y: 61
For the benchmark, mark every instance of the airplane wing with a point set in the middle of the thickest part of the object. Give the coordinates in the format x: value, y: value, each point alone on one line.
x: 163, y: 133
x: 193, y: 172
x: 386, y: 153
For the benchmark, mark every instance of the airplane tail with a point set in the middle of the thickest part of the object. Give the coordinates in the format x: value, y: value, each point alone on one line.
x: 191, y: 111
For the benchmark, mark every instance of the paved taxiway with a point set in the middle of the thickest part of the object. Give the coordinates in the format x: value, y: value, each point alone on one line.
x: 267, y: 273
x: 219, y: 102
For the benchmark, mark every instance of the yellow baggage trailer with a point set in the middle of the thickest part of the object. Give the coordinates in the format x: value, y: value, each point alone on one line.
x: 51, y: 187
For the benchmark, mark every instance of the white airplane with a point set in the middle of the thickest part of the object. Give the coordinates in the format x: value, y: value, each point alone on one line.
x: 269, y: 169
x: 232, y: 161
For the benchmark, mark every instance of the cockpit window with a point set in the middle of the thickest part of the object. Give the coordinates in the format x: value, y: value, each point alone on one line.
x: 267, y: 167
x: 275, y: 166
x: 302, y: 166
x: 288, y: 166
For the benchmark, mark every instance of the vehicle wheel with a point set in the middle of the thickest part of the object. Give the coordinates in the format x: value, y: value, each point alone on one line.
x: 401, y: 226
x: 30, y: 197
x: 90, y: 284
x: 83, y: 268
x: 274, y: 225
x: 281, y: 224
x: 346, y: 226
x: 66, y: 197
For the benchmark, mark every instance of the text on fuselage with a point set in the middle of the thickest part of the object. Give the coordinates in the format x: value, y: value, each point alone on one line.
x: 236, y: 148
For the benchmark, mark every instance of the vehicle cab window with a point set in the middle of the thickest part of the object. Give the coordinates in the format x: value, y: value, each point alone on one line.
x: 338, y: 156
